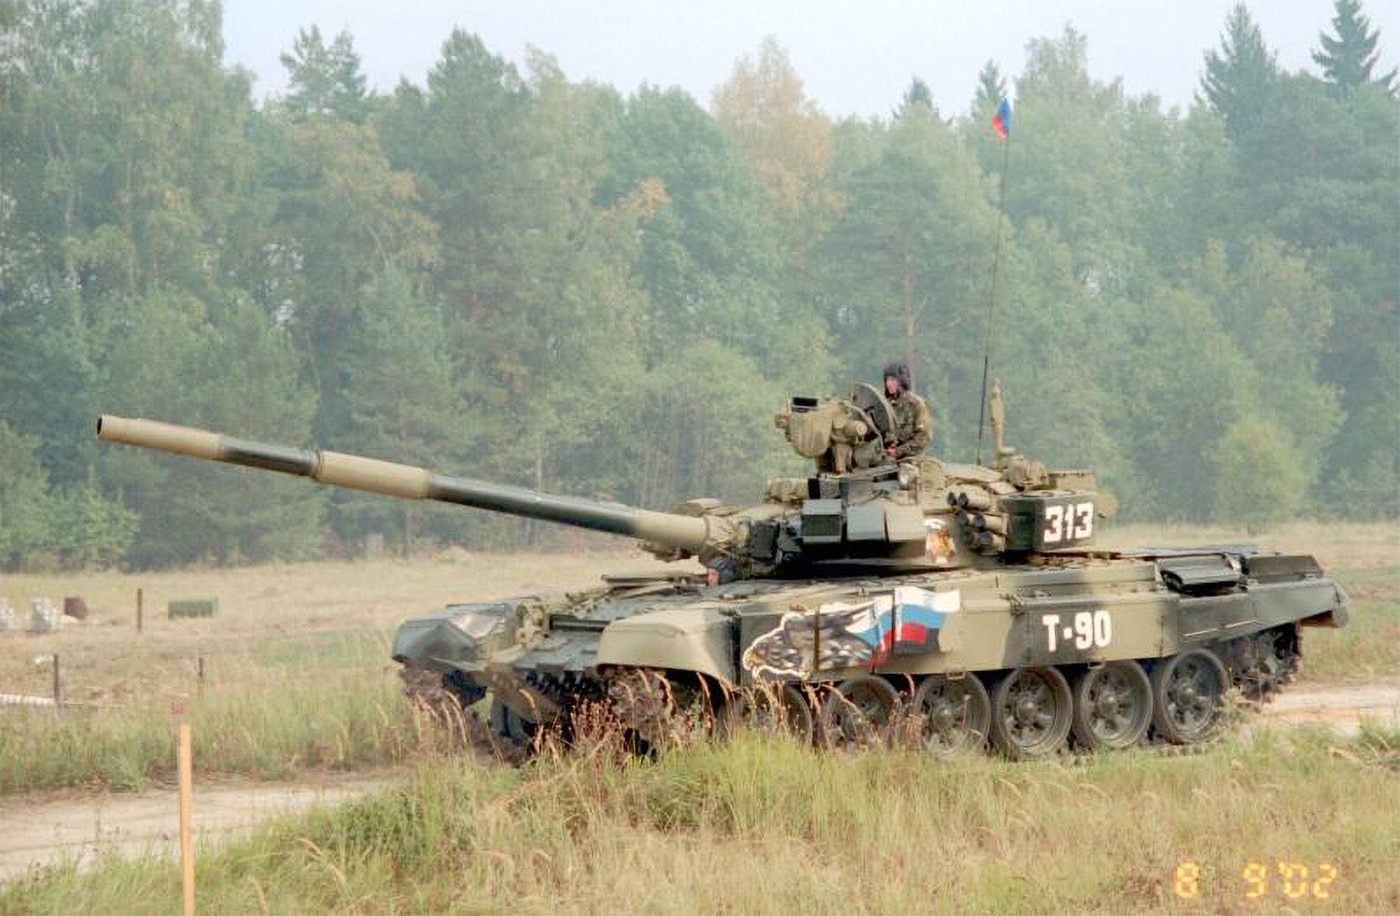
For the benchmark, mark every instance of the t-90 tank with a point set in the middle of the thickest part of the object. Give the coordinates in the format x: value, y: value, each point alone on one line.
x: 951, y: 605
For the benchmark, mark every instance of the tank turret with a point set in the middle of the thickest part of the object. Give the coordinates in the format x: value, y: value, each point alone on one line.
x: 970, y: 514
x: 858, y: 514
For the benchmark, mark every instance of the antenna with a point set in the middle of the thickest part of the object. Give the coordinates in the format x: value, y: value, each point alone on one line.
x: 1001, y: 123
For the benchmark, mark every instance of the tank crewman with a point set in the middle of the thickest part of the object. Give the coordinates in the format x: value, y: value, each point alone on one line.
x: 913, y: 423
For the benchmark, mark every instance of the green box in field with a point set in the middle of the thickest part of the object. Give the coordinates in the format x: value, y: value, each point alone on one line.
x: 192, y: 607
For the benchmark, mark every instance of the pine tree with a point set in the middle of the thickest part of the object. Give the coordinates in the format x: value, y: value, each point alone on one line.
x: 991, y: 89
x: 1238, y: 78
x: 918, y: 95
x: 325, y: 81
x: 402, y: 402
x: 1348, y: 58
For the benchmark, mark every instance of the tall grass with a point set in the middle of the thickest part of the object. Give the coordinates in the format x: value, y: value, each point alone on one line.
x: 1369, y: 645
x: 762, y: 826
x: 271, y: 727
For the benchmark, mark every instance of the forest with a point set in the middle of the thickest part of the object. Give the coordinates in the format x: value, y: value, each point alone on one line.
x: 509, y: 275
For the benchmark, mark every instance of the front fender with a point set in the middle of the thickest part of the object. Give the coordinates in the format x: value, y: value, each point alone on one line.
x: 681, y: 639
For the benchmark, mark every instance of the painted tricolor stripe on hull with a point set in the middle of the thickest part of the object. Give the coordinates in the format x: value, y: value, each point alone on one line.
x: 919, y: 615
x: 907, y: 622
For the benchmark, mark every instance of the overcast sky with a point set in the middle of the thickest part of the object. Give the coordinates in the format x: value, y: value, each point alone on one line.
x: 854, y: 58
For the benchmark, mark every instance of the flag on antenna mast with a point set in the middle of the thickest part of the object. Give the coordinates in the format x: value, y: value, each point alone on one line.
x: 1001, y: 120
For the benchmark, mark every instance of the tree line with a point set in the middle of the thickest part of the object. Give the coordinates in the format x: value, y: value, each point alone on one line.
x: 506, y: 274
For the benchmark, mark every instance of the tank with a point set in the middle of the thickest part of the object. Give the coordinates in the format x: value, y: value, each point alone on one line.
x: 952, y: 606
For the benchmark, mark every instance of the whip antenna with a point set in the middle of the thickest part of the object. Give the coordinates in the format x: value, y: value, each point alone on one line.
x: 1001, y: 123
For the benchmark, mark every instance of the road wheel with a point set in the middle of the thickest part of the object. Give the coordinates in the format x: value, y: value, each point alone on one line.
x: 1031, y: 712
x: 771, y: 708
x: 951, y: 714
x: 1187, y: 692
x: 1112, y: 706
x: 860, y: 712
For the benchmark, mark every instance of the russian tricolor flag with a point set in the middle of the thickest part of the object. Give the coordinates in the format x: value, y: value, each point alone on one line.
x: 919, y: 615
x: 1001, y: 120
x: 905, y: 623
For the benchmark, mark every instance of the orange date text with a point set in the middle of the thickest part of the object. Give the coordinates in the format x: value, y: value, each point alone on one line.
x: 1279, y: 880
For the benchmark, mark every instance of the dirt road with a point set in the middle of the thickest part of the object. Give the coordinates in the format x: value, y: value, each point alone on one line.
x: 84, y: 826
x: 38, y: 831
x: 1343, y: 707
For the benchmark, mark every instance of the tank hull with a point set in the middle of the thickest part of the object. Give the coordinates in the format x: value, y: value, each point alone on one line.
x: 1104, y: 627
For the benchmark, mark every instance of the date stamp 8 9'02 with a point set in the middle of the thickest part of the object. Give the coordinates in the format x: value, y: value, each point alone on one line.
x: 1261, y: 881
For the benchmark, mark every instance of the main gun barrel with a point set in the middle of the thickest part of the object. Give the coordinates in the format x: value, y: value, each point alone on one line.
x: 688, y: 533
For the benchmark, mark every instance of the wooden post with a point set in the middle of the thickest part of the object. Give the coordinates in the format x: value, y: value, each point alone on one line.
x: 138, y: 610
x: 187, y: 818
x: 57, y: 683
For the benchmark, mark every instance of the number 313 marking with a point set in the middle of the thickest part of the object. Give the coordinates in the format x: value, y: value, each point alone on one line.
x: 1068, y: 522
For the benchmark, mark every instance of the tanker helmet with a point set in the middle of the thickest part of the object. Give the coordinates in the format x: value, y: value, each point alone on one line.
x: 900, y: 372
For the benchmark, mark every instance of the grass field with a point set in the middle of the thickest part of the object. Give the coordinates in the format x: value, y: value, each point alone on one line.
x: 297, y: 676
x: 296, y: 666
x: 1292, y: 822
x: 274, y: 618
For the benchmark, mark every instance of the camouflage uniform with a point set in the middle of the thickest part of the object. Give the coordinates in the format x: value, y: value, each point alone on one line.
x: 913, y: 424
